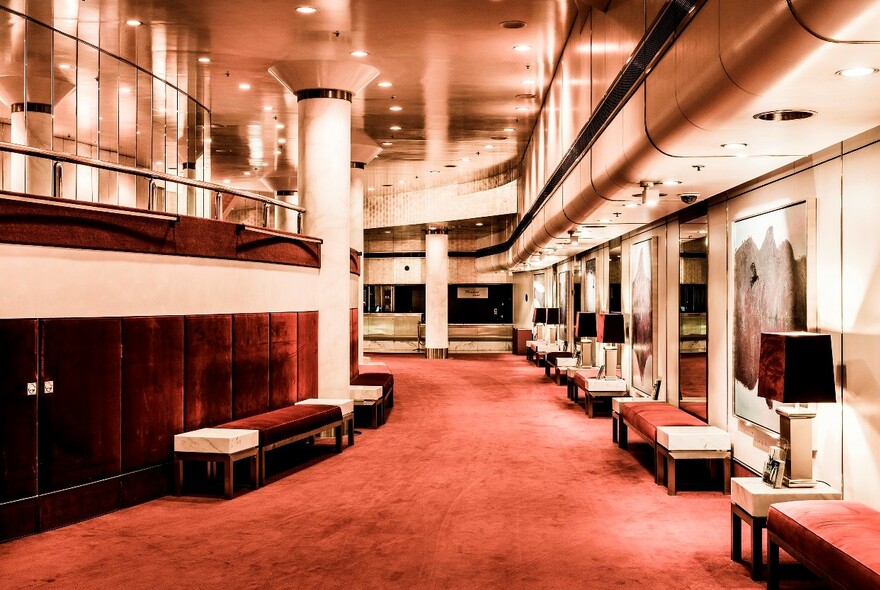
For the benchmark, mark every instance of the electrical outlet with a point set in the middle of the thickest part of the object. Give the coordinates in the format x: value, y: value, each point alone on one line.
x: 32, y: 388
x: 48, y: 387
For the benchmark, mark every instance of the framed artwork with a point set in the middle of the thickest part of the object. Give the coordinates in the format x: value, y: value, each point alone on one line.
x: 641, y: 270
x: 769, y: 295
x: 590, y: 286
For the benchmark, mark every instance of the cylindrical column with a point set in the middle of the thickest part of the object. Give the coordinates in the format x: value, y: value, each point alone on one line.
x: 436, y: 294
x: 287, y: 219
x: 357, y: 243
x: 324, y: 188
x: 523, y: 304
x: 31, y: 125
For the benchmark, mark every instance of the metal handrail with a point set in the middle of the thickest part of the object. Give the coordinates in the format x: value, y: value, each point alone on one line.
x: 83, y: 161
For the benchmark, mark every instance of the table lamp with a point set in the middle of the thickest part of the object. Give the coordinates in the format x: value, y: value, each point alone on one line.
x: 552, y: 320
x: 539, y: 317
x: 584, y: 330
x: 609, y: 331
x: 797, y: 368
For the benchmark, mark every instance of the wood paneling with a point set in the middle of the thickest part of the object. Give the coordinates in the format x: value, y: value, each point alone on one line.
x: 18, y: 410
x: 19, y: 518
x: 80, y: 421
x: 282, y: 360
x: 75, y: 504
x: 307, y: 355
x: 145, y: 484
x: 250, y: 364
x: 353, y: 359
x: 152, y: 389
x: 207, y: 371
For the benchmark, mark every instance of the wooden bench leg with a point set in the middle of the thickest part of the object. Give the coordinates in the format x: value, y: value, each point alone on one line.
x: 670, y: 475
x: 614, y: 427
x: 772, y: 565
x: 622, y: 434
x: 262, y: 467
x: 351, y: 430
x: 227, y: 477
x: 338, y: 431
x: 726, y: 475
x: 178, y: 476
x: 735, y: 535
x: 255, y: 471
x: 758, y: 550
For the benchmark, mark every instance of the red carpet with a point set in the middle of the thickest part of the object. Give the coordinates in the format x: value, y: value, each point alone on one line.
x: 485, y: 476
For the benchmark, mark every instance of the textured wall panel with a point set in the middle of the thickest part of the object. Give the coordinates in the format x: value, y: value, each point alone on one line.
x: 307, y: 355
x: 18, y: 410
x: 353, y: 344
x: 80, y: 421
x: 207, y: 371
x: 152, y: 389
x: 250, y: 364
x: 282, y: 359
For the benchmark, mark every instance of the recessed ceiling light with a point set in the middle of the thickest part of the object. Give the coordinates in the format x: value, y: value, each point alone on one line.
x: 431, y: 228
x: 282, y: 140
x: 784, y: 115
x: 124, y: 90
x: 279, y: 126
x: 527, y: 82
x: 225, y: 181
x: 395, y: 108
x: 63, y: 66
x: 508, y: 129
x: 631, y: 205
x: 522, y: 47
x: 247, y: 173
x: 734, y: 146
x: 387, y: 231
x: 371, y: 189
x: 244, y: 86
x: 133, y: 22
x: 385, y: 84
x: 359, y: 53
x: 401, y: 181
x: 208, y: 140
x: 277, y: 152
x: 387, y: 143
x: 512, y: 24
x: 433, y: 172
x: 671, y: 182
x: 479, y: 224
x: 521, y: 108
x: 394, y: 128
x: 267, y: 107
x: 465, y: 159
x: 702, y: 231
x: 856, y: 72
x: 604, y: 221
x: 204, y: 60
x: 489, y: 146
x: 306, y: 9
x: 158, y: 163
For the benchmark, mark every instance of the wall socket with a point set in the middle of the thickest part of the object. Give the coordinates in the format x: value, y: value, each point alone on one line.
x: 48, y: 387
x: 32, y: 388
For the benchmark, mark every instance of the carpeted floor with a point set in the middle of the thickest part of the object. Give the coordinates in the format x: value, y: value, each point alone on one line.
x: 485, y: 476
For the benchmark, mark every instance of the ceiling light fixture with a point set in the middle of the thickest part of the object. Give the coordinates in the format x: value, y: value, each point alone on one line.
x: 671, y: 182
x: 857, y: 72
x: 479, y: 224
x: 603, y: 220
x: 279, y: 126
x: 306, y: 9
x: 204, y: 60
x: 573, y: 238
x: 522, y: 47
x: 395, y: 108
x: 359, y: 53
x: 244, y: 86
x: 630, y: 205
x: 394, y: 128
x: 384, y: 84
x: 489, y: 146
x: 508, y: 129
x: 225, y: 181
x: 247, y: 173
x: 387, y: 143
x: 133, y: 22
x: 527, y: 96
x: 465, y: 159
x: 521, y: 109
x: 512, y: 24
x: 734, y: 146
x: 650, y: 195
x: 784, y: 115
x: 387, y: 231
x: 282, y: 140
x: 267, y: 108
x: 63, y: 66
x: 371, y: 189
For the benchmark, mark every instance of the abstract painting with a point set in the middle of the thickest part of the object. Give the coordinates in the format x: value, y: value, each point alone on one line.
x: 770, y: 295
x: 642, y: 327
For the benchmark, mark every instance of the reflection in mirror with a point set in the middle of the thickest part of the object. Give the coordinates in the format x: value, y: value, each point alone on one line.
x: 614, y: 280
x: 693, y: 325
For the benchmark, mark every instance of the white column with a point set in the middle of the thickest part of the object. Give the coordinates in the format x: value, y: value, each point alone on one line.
x: 436, y: 294
x: 31, y: 125
x: 523, y: 302
x: 287, y: 219
x: 363, y: 150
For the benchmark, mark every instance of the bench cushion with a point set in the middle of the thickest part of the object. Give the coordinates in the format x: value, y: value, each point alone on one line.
x: 646, y: 417
x: 386, y: 380
x: 838, y: 537
x: 287, y: 422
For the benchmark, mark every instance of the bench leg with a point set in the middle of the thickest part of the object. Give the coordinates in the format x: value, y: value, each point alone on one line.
x: 622, y: 434
x: 670, y: 475
x: 178, y: 476
x: 613, y: 427
x: 727, y: 475
x: 351, y: 430
x: 255, y: 471
x: 338, y: 432
x: 227, y: 477
x: 772, y: 565
x: 758, y: 550
x: 375, y: 421
x: 262, y: 467
x: 735, y: 535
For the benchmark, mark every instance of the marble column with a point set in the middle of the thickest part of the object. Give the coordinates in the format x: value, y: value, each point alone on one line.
x: 363, y: 150
x: 523, y: 303
x: 31, y: 125
x: 324, y: 91
x: 436, y: 294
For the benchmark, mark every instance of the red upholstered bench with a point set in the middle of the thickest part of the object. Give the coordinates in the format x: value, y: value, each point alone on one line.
x: 836, y: 539
x: 376, y: 375
x: 287, y: 425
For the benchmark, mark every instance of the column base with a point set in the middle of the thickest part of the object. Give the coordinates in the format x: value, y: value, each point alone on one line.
x: 436, y: 353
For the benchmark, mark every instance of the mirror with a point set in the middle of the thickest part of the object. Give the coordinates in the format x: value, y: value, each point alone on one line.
x: 693, y: 275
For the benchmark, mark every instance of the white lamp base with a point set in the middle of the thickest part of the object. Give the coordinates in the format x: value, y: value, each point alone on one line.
x: 611, y: 361
x: 586, y: 352
x: 796, y: 427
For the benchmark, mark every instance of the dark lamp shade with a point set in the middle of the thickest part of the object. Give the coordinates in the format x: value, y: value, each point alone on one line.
x: 796, y: 367
x: 609, y: 328
x: 552, y: 315
x: 586, y: 324
x: 540, y: 315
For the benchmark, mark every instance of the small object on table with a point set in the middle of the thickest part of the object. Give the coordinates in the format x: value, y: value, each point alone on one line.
x: 750, y: 500
x: 217, y: 445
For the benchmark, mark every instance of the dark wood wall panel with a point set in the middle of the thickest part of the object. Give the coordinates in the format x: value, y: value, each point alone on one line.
x: 307, y: 355
x: 19, y: 518
x: 250, y: 364
x: 75, y: 504
x: 80, y: 422
x: 282, y: 360
x: 353, y: 358
x: 207, y: 371
x: 152, y: 389
x: 145, y: 485
x: 18, y: 410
